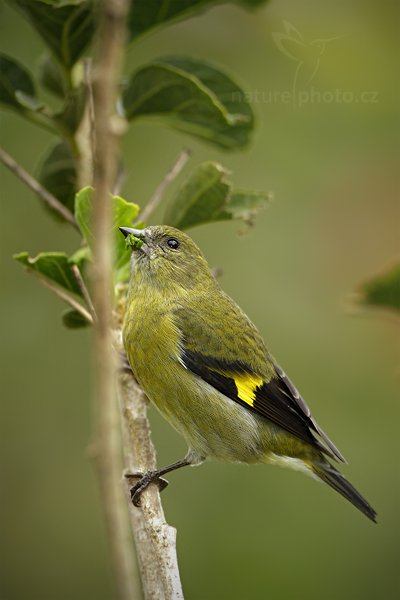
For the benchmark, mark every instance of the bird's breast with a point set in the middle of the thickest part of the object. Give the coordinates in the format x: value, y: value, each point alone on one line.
x: 151, y: 341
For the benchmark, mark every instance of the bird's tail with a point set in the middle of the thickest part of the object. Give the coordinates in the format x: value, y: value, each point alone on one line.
x: 327, y: 473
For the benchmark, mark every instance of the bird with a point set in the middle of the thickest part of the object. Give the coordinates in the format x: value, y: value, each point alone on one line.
x: 204, y: 365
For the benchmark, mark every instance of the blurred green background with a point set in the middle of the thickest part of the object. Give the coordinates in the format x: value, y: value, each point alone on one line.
x: 243, y: 532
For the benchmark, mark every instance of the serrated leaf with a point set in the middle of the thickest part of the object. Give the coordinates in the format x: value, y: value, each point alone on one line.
x: 54, y: 266
x: 16, y: 84
x: 74, y: 319
x: 201, y: 199
x: 146, y: 15
x: 382, y: 291
x: 58, y: 174
x: 191, y: 96
x: 124, y: 213
x: 50, y: 76
x: 67, y: 29
x: 208, y: 196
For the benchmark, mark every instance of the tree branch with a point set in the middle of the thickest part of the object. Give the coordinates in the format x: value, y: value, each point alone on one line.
x: 155, y: 539
x: 90, y: 105
x: 160, y: 190
x: 85, y: 136
x: 107, y: 444
x: 35, y: 186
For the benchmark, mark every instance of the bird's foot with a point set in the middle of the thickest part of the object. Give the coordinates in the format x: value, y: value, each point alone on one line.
x: 145, y: 479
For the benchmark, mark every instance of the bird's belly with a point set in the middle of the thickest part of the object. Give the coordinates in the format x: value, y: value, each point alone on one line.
x: 213, y: 425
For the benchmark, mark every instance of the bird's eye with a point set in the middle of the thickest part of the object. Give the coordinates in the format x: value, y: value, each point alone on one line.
x: 173, y: 243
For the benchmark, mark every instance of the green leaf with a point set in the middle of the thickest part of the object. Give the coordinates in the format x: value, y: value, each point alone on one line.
x: 146, y: 15
x: 133, y: 242
x: 58, y: 174
x: 74, y: 319
x: 201, y: 199
x: 208, y: 196
x: 50, y: 76
x: 17, y: 91
x: 16, y: 84
x: 81, y: 257
x: 191, y: 96
x: 245, y: 204
x: 382, y: 291
x: 54, y: 266
x: 83, y: 213
x: 124, y: 213
x: 67, y: 29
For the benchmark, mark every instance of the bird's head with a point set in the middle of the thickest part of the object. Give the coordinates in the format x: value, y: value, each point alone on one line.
x: 167, y: 257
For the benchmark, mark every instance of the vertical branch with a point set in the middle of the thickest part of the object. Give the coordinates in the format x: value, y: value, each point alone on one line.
x: 155, y: 539
x: 107, y: 444
x: 85, y: 134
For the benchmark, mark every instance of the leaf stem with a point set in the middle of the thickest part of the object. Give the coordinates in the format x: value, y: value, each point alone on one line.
x: 85, y: 292
x: 168, y: 179
x: 66, y: 297
x: 36, y: 187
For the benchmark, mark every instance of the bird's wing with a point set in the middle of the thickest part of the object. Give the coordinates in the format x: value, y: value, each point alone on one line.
x: 287, y: 388
x: 246, y: 373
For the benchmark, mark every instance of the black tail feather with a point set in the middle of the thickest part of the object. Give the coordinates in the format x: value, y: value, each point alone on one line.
x: 327, y: 473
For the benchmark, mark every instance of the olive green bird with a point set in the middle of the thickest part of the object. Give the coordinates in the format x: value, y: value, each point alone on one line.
x: 204, y: 365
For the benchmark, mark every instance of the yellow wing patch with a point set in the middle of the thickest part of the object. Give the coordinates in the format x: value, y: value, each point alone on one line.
x: 246, y: 387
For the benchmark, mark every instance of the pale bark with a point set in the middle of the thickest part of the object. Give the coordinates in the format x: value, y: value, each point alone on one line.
x: 155, y: 540
x: 107, y: 441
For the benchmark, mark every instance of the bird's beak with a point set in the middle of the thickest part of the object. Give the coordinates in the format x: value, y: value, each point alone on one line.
x: 139, y: 233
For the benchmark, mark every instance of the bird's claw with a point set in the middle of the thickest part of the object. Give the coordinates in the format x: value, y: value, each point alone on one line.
x: 145, y: 479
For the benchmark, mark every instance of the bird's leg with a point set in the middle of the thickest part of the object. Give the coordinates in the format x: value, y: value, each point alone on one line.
x: 124, y: 365
x: 154, y: 477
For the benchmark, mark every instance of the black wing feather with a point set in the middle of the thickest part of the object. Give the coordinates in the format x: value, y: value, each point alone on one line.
x: 276, y: 400
x: 289, y: 389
